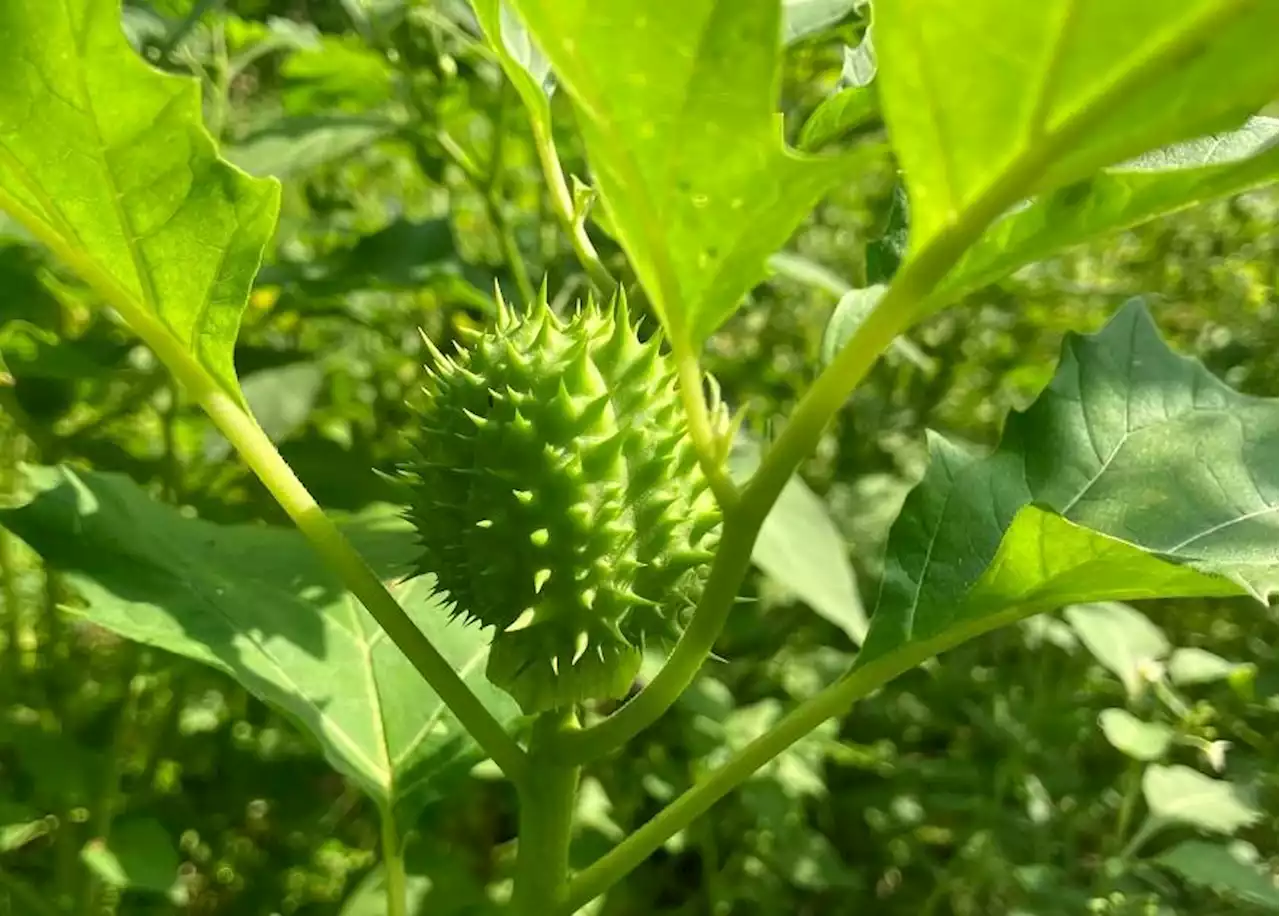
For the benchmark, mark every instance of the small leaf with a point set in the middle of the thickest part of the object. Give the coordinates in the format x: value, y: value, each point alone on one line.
x: 800, y: 548
x: 990, y: 102
x: 1181, y: 795
x: 859, y: 67
x: 296, y: 145
x: 1156, y: 184
x: 1200, y: 666
x: 370, y: 896
x: 1134, y: 737
x: 1123, y: 640
x: 676, y: 104
x: 258, y: 604
x: 1213, y: 866
x: 520, y: 58
x: 120, y: 179
x: 1135, y: 474
x: 852, y: 309
x: 840, y: 116
x: 140, y: 855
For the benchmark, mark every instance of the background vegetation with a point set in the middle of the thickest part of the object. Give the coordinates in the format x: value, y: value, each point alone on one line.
x: 982, y: 784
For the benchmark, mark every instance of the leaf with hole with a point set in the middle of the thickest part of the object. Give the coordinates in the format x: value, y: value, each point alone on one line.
x: 124, y: 184
x: 256, y: 603
x: 1135, y: 474
x: 676, y: 105
x: 990, y: 103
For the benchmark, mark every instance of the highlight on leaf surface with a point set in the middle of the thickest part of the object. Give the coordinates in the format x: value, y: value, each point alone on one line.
x: 559, y: 499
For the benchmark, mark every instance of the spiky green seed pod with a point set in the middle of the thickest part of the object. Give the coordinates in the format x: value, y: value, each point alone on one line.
x: 558, y: 499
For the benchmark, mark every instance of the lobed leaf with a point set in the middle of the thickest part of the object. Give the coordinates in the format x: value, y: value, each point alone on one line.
x: 1135, y: 474
x: 105, y: 160
x: 256, y: 603
x: 676, y: 106
x: 993, y: 101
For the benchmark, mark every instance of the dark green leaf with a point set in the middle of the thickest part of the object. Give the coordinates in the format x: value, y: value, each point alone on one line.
x: 1214, y: 866
x: 257, y: 603
x: 294, y: 146
x: 140, y: 855
x: 1135, y: 474
x: 993, y: 101
x: 144, y: 210
x: 676, y: 105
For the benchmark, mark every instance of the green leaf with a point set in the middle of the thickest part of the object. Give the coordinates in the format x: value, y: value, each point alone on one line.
x: 1123, y: 640
x: 139, y: 855
x: 120, y: 179
x: 520, y: 58
x: 846, y: 112
x: 256, y: 603
x: 1135, y: 474
x: 1159, y: 183
x: 297, y: 145
x: 1132, y: 736
x: 1200, y: 666
x: 676, y: 105
x: 807, y: 17
x: 990, y: 102
x: 1213, y: 866
x: 800, y: 548
x: 1181, y: 795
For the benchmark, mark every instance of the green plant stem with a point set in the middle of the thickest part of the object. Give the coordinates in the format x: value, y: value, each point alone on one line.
x: 573, y: 223
x: 227, y: 411
x: 547, y: 805
x: 396, y: 884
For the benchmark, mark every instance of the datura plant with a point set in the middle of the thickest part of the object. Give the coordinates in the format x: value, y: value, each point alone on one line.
x: 567, y: 475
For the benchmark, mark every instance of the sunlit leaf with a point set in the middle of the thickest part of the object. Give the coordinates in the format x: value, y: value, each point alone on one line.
x: 1122, y: 639
x: 139, y: 855
x: 122, y: 182
x: 1132, y: 736
x: 1135, y: 474
x: 990, y: 102
x: 1181, y: 795
x: 676, y: 104
x: 256, y: 603
x: 1200, y: 666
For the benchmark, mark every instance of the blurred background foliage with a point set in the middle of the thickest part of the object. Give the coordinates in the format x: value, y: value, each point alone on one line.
x: 990, y: 782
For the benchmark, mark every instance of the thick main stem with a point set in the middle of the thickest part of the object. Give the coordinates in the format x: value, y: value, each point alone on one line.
x: 547, y: 803
x: 397, y: 886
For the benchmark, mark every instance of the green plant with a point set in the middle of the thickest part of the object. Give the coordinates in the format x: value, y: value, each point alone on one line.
x: 1134, y: 475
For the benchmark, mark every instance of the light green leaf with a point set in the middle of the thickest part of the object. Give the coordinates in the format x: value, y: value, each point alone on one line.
x: 1181, y: 795
x: 1135, y: 474
x: 1200, y: 666
x: 1134, y: 737
x: 256, y: 603
x: 1159, y: 183
x: 140, y: 855
x: 852, y: 309
x: 1123, y: 640
x: 520, y: 58
x: 993, y: 101
x: 800, y: 548
x: 805, y: 17
x: 676, y: 104
x: 846, y: 112
x: 859, y: 67
x: 370, y: 896
x: 20, y: 824
x: 119, y: 178
x: 1213, y: 866
x: 295, y: 146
